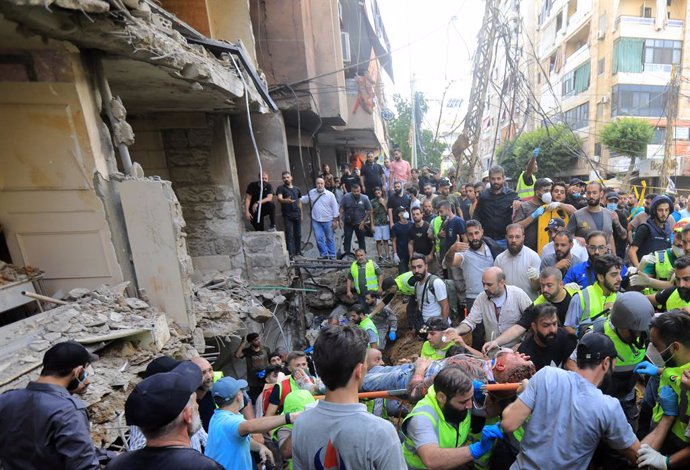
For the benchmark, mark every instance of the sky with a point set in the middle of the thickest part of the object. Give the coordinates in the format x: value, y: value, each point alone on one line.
x: 442, y: 36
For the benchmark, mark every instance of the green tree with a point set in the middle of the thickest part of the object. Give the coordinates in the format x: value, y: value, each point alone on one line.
x: 429, y: 151
x: 558, y: 146
x: 629, y: 137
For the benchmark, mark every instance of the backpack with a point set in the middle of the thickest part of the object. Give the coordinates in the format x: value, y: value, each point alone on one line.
x: 452, y: 294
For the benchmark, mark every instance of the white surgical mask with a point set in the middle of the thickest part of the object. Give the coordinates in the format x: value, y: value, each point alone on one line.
x: 406, y: 215
x: 612, y: 206
x: 546, y: 198
x: 678, y: 251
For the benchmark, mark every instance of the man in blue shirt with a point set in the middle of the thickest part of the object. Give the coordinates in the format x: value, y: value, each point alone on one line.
x: 583, y: 273
x: 229, y: 441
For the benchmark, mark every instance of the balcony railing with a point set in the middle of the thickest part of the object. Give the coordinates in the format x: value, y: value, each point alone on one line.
x: 640, y: 20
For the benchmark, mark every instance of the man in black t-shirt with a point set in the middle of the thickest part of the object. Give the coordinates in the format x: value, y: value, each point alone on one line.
x: 419, y: 237
x: 547, y: 344
x: 252, y: 199
x: 348, y: 179
x: 256, y: 356
x: 372, y: 175
x: 397, y: 198
x: 154, y: 404
x: 291, y: 208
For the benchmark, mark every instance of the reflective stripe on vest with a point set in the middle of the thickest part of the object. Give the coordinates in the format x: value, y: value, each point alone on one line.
x: 436, y: 224
x: 542, y: 300
x: 368, y: 325
x: 449, y: 437
x: 403, y: 283
x: 524, y: 190
x: 429, y: 352
x: 628, y: 356
x: 671, y: 376
x: 663, y: 265
x: 674, y: 301
x: 592, y: 301
x: 372, y: 282
x: 217, y: 375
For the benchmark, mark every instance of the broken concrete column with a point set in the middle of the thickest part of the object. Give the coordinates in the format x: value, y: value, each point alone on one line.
x: 266, y: 257
x: 155, y: 231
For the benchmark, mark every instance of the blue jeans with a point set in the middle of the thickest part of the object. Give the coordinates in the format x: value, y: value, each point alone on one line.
x: 388, y: 377
x: 323, y: 232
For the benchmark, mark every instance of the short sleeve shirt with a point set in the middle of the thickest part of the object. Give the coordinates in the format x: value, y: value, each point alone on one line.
x: 253, y: 190
x: 421, y: 243
x: 163, y: 457
x: 430, y: 306
x: 225, y: 444
x: 380, y: 213
x: 292, y: 193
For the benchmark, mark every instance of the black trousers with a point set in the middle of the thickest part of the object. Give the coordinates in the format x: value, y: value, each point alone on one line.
x: 293, y: 235
x: 361, y: 240
x: 267, y: 209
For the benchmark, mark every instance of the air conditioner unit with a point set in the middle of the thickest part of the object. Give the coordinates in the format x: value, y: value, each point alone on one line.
x: 604, y: 99
x: 601, y: 35
x: 345, y: 40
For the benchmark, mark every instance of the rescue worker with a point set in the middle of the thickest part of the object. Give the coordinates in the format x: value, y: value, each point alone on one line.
x: 526, y: 180
x: 436, y: 345
x: 592, y: 304
x: 358, y: 317
x: 404, y: 284
x: 678, y: 296
x: 655, y: 233
x: 365, y: 275
x: 656, y: 269
x: 299, y: 378
x: 436, y: 429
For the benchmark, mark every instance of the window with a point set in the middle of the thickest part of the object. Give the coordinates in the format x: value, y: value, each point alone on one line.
x: 638, y: 100
x: 578, y: 117
x: 559, y: 22
x: 454, y: 103
x: 601, y: 66
x: 659, y: 136
x: 577, y: 81
x: 597, y: 149
x: 646, y: 12
x: 661, y: 51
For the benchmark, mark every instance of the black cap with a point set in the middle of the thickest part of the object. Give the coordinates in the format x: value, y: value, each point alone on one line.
x: 594, y: 347
x: 159, y: 399
x: 436, y: 324
x: 555, y: 223
x: 161, y: 364
x: 444, y: 182
x: 611, y: 195
x: 66, y: 356
x: 576, y: 181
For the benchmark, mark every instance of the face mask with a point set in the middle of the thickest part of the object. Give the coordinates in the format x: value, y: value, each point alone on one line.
x: 546, y: 198
x: 668, y: 358
x: 576, y: 194
x: 678, y: 251
x: 406, y: 215
x: 77, y: 381
x: 612, y: 206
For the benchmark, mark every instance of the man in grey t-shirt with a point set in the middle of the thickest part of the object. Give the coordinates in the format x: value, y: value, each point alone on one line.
x: 338, y: 427
x: 570, y: 403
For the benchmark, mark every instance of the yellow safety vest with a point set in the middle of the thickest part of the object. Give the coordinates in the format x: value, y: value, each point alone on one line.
x: 436, y: 224
x: 592, y: 301
x: 449, y: 437
x: 403, y: 283
x: 429, y: 352
x: 542, y: 300
x: 675, y: 302
x: 524, y: 190
x: 372, y: 281
x: 663, y: 265
x: 671, y: 376
x: 368, y: 325
x: 627, y: 355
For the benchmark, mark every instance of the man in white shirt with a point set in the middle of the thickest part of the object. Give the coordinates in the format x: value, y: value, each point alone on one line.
x: 498, y: 308
x: 430, y: 290
x: 520, y: 263
x: 324, y: 212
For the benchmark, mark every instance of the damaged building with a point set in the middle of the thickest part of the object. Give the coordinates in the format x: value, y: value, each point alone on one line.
x: 130, y: 130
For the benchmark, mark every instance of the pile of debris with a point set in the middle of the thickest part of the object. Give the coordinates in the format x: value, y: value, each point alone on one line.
x: 10, y: 273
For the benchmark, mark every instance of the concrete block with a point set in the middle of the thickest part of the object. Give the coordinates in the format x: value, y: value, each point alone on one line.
x: 211, y: 263
x: 204, y: 193
x: 199, y: 137
x: 200, y: 247
x: 190, y: 175
x: 257, y: 260
x: 174, y: 139
x: 188, y: 157
x: 228, y: 245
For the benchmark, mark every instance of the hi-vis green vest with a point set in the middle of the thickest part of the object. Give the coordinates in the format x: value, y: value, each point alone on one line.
x: 436, y: 224
x: 449, y: 437
x: 663, y: 266
x: 542, y: 300
x: 675, y: 302
x: 592, y: 301
x: 524, y: 190
x: 627, y: 355
x: 368, y: 325
x: 403, y: 283
x: 671, y: 376
x: 429, y: 352
x: 377, y: 407
x: 372, y: 282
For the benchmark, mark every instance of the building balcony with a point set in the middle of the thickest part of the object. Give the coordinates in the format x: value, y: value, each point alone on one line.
x: 640, y: 27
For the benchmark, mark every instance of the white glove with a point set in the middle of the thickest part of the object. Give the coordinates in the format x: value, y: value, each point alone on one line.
x: 553, y: 206
x: 632, y: 270
x: 648, y: 457
x: 640, y: 280
x: 396, y: 258
x: 573, y: 286
x: 646, y: 261
x: 532, y: 273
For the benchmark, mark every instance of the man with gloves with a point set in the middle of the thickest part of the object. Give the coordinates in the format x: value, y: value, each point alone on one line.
x: 531, y: 209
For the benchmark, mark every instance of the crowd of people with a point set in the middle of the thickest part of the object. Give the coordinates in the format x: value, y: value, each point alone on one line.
x: 555, y: 321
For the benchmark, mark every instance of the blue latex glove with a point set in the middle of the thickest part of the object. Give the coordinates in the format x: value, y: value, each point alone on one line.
x: 489, y: 435
x: 392, y: 336
x: 537, y: 212
x: 309, y: 350
x: 535, y: 152
x: 478, y: 393
x: 668, y: 400
x: 646, y: 368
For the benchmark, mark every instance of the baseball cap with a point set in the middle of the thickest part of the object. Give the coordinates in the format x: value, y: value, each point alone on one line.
x: 611, y: 195
x: 576, y: 181
x: 593, y: 347
x: 554, y: 224
x: 227, y: 387
x: 436, y: 324
x: 161, y: 364
x: 66, y: 356
x: 159, y: 399
x: 444, y: 182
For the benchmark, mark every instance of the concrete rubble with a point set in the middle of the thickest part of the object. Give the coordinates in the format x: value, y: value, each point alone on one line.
x: 10, y: 273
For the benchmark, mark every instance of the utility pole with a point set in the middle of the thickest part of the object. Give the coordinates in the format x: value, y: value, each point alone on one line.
x: 671, y: 115
x: 413, y: 123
